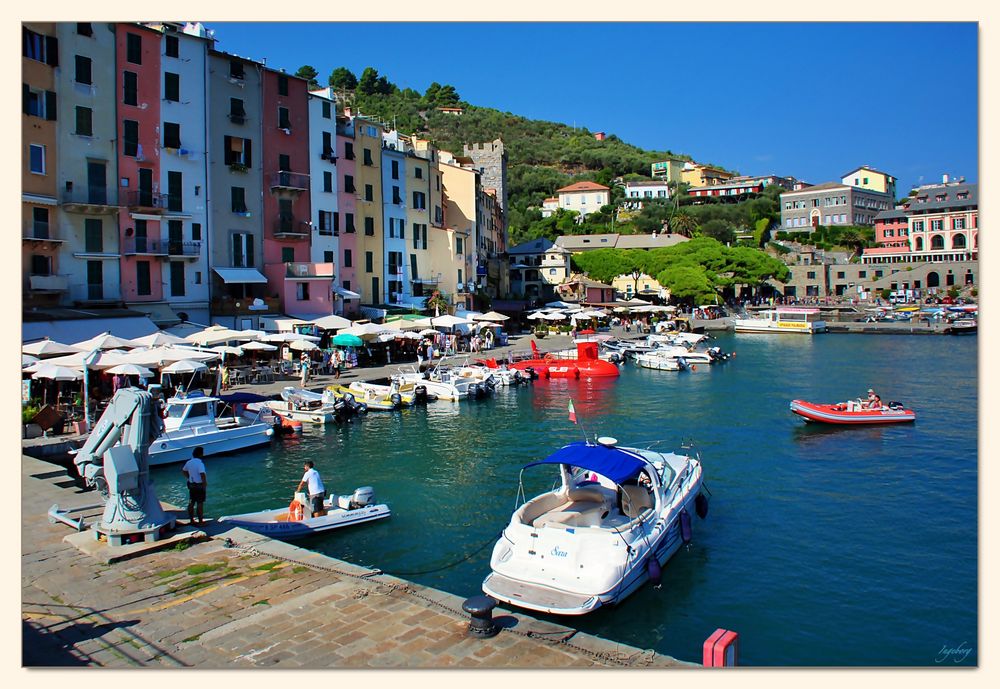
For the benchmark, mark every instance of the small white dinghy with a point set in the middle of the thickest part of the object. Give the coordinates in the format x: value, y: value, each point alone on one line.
x: 296, y: 521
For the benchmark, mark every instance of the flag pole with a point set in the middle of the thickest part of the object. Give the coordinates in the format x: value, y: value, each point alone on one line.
x: 573, y: 418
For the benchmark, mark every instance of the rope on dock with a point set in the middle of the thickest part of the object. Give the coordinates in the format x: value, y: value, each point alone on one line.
x: 644, y: 657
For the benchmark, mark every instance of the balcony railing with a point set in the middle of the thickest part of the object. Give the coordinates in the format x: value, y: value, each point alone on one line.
x: 94, y: 201
x: 233, y: 306
x: 290, y: 181
x: 144, y: 246
x: 146, y: 200
x: 290, y: 227
x: 238, y: 117
x: 40, y: 232
x: 48, y: 283
x: 91, y: 293
x: 309, y: 270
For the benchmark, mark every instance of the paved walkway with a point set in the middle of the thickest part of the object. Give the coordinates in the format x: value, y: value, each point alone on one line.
x: 261, y: 603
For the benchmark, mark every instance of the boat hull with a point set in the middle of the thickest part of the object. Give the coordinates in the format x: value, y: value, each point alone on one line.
x: 174, y: 446
x: 839, y: 414
x: 267, y: 523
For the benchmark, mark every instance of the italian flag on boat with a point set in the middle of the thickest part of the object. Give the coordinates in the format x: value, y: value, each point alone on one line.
x: 572, y: 412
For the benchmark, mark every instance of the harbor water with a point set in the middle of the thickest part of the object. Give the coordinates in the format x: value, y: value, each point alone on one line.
x: 823, y: 546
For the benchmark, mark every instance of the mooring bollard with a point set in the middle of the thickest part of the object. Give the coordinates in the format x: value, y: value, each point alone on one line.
x: 481, y: 623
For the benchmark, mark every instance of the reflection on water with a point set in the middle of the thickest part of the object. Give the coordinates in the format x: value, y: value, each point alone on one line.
x: 808, y: 524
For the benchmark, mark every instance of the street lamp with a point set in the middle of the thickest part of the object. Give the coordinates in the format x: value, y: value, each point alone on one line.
x: 89, y: 359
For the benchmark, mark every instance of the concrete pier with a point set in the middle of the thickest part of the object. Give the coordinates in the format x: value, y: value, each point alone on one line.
x: 228, y: 598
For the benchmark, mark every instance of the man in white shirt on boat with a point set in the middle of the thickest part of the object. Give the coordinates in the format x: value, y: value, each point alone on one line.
x: 313, y: 484
x: 197, y: 482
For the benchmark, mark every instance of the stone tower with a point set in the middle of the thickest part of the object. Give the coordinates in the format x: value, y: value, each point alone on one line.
x: 491, y: 160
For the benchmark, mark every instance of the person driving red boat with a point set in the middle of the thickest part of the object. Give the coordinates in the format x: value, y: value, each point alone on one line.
x: 874, y: 401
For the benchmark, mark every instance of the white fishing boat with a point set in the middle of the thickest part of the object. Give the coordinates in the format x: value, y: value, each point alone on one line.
x: 442, y: 390
x: 303, y: 405
x: 784, y: 319
x: 615, y: 519
x: 296, y: 520
x: 689, y: 355
x: 409, y: 393
x: 192, y: 421
x: 654, y: 361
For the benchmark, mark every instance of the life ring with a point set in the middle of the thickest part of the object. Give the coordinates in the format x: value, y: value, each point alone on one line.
x: 295, y: 511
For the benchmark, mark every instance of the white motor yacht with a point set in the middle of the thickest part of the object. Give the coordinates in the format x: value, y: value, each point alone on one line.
x: 191, y: 421
x: 615, y: 519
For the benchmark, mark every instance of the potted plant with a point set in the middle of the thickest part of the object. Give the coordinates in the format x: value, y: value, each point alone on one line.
x: 238, y: 167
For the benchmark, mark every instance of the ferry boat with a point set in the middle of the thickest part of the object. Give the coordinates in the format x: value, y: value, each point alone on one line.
x: 852, y: 412
x: 292, y: 522
x: 785, y: 319
x: 617, y: 516
x: 191, y: 421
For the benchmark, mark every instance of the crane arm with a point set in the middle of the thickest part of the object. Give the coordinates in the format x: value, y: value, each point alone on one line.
x: 122, y: 422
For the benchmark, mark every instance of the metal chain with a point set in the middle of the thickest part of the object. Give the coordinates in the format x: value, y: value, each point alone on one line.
x: 642, y: 657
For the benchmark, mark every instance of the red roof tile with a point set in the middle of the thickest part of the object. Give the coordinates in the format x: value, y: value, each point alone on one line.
x: 583, y: 186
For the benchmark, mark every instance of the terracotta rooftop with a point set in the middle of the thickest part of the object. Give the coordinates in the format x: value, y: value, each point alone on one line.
x: 583, y: 186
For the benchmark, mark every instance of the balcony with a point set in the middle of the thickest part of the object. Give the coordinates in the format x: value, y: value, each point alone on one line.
x: 289, y: 181
x: 328, y: 154
x: 309, y: 271
x: 425, y: 281
x: 146, y: 201
x: 238, y: 117
x: 93, y: 294
x: 145, y: 246
x: 40, y: 234
x: 48, y: 283
x: 289, y: 227
x: 87, y: 201
x: 236, y: 306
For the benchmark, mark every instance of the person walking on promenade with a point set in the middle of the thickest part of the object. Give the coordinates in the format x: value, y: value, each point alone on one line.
x: 315, y: 489
x: 304, y: 364
x: 197, y: 483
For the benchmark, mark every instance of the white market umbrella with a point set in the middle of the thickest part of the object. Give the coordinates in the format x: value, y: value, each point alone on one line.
x: 303, y: 345
x: 226, y: 349
x: 289, y: 337
x: 28, y: 360
x: 448, y: 321
x: 57, y: 373
x: 387, y: 337
x: 184, y: 366
x: 554, y: 317
x: 214, y: 334
x: 410, y: 335
x: 428, y: 331
x: 421, y: 322
x: 366, y: 331
x: 258, y: 347
x: 106, y: 341
x: 130, y: 370
x: 159, y: 339
x: 48, y: 348
x: 332, y: 322
x: 250, y: 334
x: 157, y: 356
x: 492, y: 317
x: 95, y: 360
x: 537, y: 315
x: 414, y: 324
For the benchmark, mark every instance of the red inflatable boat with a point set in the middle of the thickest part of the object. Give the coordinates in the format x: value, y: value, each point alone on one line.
x: 851, y: 413
x: 585, y: 365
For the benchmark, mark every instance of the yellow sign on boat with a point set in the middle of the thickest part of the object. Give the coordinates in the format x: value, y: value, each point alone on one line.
x: 908, y: 308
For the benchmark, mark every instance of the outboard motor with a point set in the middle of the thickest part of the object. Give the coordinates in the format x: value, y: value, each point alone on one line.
x: 420, y: 394
x: 362, y: 497
x: 517, y: 378
x: 474, y: 391
x: 396, y: 399
x: 531, y: 373
x: 895, y: 405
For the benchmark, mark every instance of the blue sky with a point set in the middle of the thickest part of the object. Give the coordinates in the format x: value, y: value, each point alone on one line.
x: 811, y: 100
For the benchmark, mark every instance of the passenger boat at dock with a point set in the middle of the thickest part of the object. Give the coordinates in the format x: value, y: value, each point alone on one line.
x: 852, y: 412
x: 784, y: 319
x: 617, y: 516
x: 193, y: 420
x: 295, y: 521
x: 587, y: 364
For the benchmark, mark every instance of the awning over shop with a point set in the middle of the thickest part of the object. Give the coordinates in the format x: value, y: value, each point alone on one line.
x: 237, y: 276
x: 346, y: 293
x: 161, y: 314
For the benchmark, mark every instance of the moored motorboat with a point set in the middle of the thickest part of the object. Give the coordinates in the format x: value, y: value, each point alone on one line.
x: 652, y: 360
x: 370, y: 399
x: 296, y: 521
x: 587, y: 364
x: 441, y: 390
x: 406, y: 392
x: 617, y: 517
x: 193, y: 420
x: 852, y: 412
x: 784, y: 319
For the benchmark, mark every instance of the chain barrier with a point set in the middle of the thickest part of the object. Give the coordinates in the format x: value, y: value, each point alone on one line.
x: 642, y: 657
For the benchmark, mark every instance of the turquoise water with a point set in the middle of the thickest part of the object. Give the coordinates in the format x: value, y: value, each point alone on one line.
x: 823, y: 546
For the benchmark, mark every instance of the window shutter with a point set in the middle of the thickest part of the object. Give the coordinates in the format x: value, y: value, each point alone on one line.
x: 50, y: 105
x: 26, y: 96
x: 246, y: 153
x: 249, y: 251
x: 227, y: 154
x: 52, y: 51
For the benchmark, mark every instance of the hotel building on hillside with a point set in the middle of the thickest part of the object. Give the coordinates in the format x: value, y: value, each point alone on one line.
x: 584, y: 197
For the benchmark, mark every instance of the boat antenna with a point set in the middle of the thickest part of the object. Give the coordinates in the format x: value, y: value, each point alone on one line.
x: 575, y: 419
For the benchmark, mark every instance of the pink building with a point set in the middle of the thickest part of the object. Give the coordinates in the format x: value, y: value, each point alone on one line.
x: 892, y: 229
x: 142, y: 203
x: 286, y: 214
x: 304, y: 288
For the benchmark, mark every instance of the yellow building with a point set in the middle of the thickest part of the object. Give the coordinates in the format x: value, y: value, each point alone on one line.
x: 670, y: 170
x: 453, y: 247
x: 866, y: 177
x: 422, y: 176
x: 42, y: 282
x: 644, y: 286
x: 698, y: 175
x: 368, y: 192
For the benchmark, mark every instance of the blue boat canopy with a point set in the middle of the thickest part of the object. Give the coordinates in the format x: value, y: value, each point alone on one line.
x: 243, y: 398
x: 611, y: 462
